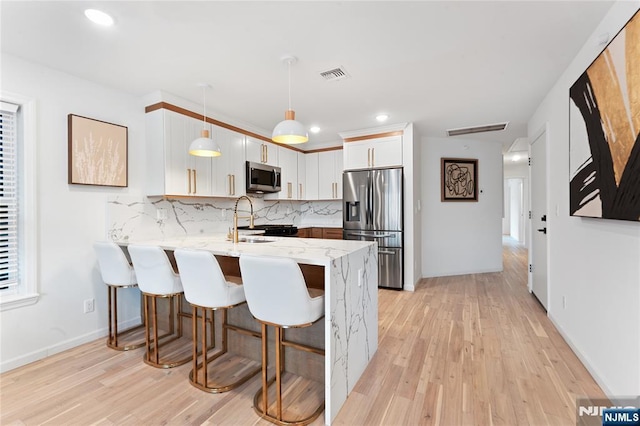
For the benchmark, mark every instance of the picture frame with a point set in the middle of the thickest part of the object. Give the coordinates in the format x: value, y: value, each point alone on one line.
x: 604, y: 131
x: 459, y: 179
x: 98, y: 152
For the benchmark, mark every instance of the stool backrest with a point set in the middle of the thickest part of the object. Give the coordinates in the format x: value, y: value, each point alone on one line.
x: 114, y: 266
x: 202, y: 278
x: 276, y: 291
x: 154, y: 271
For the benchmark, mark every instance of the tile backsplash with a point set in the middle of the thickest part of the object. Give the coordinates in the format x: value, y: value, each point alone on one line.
x: 154, y: 217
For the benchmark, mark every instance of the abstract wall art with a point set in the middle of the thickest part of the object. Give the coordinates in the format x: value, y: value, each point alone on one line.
x: 459, y: 179
x: 97, y: 152
x: 604, y: 131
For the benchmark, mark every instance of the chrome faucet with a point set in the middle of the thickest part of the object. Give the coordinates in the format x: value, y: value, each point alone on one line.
x: 236, y: 217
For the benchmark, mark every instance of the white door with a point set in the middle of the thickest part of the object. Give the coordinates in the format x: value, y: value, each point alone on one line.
x: 538, y: 252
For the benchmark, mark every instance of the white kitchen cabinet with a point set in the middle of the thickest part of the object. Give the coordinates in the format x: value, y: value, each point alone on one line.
x: 260, y: 151
x: 370, y: 153
x: 302, y: 176
x: 170, y: 168
x: 288, y: 163
x: 330, y: 167
x: 311, y: 176
x: 229, y: 168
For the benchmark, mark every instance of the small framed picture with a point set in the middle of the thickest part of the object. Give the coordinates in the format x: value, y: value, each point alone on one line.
x: 459, y: 179
x: 97, y: 152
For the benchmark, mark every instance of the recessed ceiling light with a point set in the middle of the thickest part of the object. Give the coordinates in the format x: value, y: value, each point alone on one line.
x: 382, y: 117
x: 99, y: 17
x: 314, y: 129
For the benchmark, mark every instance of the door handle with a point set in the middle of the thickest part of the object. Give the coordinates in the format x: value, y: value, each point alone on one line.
x: 543, y: 230
x: 386, y: 252
x: 362, y: 234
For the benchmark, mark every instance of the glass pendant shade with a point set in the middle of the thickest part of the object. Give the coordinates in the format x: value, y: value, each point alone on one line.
x: 290, y: 131
x: 204, y: 146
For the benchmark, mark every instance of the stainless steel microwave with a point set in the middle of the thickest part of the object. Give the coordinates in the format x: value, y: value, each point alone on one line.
x: 263, y: 178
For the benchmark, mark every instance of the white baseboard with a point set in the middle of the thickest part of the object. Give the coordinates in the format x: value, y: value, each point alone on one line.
x: 585, y: 361
x: 62, y: 346
x: 454, y: 273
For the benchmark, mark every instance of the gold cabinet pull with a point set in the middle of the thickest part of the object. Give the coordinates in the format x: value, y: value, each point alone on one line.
x: 290, y: 189
x: 195, y: 179
x: 266, y: 153
x: 189, y: 181
x: 373, y: 157
x: 229, y: 184
x: 368, y: 157
x: 233, y: 184
x: 300, y: 193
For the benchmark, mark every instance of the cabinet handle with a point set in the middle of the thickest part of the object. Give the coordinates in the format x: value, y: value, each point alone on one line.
x: 229, y: 184
x: 189, y: 181
x: 300, y: 193
x: 233, y: 184
x: 266, y: 154
x: 195, y: 179
x: 288, y: 189
x: 368, y: 157
x: 373, y: 157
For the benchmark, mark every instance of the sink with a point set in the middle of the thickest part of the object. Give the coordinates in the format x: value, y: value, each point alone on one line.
x: 256, y: 240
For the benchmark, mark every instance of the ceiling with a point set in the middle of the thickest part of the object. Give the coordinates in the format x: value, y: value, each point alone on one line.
x: 438, y: 64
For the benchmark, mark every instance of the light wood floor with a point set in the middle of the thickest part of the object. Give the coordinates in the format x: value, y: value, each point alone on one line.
x: 466, y: 350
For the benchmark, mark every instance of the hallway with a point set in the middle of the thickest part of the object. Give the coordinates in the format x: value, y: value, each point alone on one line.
x: 469, y: 350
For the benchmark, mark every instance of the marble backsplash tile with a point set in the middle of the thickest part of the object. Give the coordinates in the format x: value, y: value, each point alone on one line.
x: 131, y: 217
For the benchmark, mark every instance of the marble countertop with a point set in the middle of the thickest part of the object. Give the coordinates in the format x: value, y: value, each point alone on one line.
x: 312, y: 251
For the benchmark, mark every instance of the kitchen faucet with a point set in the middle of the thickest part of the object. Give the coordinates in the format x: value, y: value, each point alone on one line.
x: 236, y: 217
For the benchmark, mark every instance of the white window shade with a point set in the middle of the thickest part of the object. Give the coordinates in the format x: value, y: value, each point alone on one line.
x: 8, y: 197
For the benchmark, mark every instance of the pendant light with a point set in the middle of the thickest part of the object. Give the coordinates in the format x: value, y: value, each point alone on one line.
x: 290, y: 131
x: 204, y: 146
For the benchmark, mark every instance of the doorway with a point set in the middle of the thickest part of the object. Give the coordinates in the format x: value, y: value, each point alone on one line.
x: 515, y: 209
x: 538, y: 252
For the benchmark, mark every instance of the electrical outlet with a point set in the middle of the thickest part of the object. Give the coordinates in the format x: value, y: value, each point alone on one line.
x: 161, y: 214
x: 89, y: 305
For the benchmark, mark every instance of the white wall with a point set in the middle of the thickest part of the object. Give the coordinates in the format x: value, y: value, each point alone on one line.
x: 461, y: 237
x: 70, y: 217
x: 594, y: 263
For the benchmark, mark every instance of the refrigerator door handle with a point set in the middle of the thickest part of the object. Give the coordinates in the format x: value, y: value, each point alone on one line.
x: 362, y: 234
x: 386, y: 252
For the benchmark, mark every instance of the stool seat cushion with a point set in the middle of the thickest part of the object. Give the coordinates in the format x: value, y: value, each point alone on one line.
x: 115, y: 269
x: 277, y: 292
x: 154, y: 271
x: 203, y: 281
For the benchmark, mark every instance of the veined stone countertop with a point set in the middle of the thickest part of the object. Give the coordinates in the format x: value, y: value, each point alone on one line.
x: 312, y: 251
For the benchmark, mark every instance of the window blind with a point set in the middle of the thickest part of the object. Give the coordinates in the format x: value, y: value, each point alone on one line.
x: 8, y: 196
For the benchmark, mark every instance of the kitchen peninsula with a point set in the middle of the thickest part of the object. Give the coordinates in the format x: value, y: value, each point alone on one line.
x: 351, y: 298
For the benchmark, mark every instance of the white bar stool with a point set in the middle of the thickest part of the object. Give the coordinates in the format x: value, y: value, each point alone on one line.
x: 277, y: 295
x: 207, y: 289
x: 157, y: 280
x: 116, y: 272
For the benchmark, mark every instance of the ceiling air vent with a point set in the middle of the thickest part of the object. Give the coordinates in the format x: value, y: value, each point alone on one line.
x: 335, y: 74
x: 477, y: 129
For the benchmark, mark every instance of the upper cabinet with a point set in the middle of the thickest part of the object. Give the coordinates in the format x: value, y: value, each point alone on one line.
x: 288, y: 163
x: 330, y: 167
x: 259, y: 151
x: 385, y: 151
x: 310, y: 189
x: 228, y: 169
x: 170, y: 168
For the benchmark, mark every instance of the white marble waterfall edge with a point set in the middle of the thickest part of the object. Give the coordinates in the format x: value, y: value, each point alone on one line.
x: 353, y: 310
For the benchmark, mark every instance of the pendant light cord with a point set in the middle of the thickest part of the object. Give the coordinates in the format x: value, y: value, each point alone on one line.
x: 204, y: 107
x: 289, y: 62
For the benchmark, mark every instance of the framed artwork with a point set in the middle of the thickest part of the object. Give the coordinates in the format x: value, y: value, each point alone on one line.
x: 604, y: 130
x: 97, y: 152
x: 459, y: 179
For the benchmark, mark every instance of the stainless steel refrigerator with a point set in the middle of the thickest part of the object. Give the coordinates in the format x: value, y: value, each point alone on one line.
x: 372, y: 211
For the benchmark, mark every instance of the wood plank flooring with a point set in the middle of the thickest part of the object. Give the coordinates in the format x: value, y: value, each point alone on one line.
x: 465, y: 350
